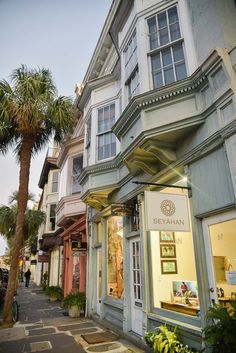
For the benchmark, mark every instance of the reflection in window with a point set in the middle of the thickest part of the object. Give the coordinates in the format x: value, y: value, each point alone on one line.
x: 77, y: 167
x: 52, y: 217
x: 115, y: 285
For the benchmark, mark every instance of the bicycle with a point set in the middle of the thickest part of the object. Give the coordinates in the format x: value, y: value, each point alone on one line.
x: 15, y: 306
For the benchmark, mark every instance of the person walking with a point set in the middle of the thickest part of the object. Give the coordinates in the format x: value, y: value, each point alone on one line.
x: 27, y: 277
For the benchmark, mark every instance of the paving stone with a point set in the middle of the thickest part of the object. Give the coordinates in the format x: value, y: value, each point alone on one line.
x: 40, y: 346
x: 12, y: 334
x: 42, y: 331
x: 104, y: 347
x: 83, y: 331
x: 76, y: 326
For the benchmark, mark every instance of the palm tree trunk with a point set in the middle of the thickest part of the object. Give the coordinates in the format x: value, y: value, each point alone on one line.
x: 25, y: 158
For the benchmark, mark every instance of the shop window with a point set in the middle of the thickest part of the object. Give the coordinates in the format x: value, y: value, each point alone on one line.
x: 115, y: 282
x: 223, y: 247
x: 173, y: 272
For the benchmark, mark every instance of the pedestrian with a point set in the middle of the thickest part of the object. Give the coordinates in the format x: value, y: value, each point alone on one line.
x: 27, y: 277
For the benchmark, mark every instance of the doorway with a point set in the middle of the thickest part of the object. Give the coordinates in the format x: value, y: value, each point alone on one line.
x: 136, y: 287
x: 220, y: 242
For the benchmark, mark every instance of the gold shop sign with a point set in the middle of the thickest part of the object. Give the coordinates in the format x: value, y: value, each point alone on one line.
x: 166, y: 212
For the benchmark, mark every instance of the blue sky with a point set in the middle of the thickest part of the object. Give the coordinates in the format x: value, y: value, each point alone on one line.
x: 58, y: 34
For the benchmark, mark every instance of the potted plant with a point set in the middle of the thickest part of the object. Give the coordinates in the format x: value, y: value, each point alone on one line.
x: 54, y: 293
x: 220, y: 332
x: 74, y: 301
x: 163, y: 340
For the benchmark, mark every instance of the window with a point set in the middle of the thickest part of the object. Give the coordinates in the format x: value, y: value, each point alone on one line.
x: 52, y: 217
x: 106, y: 141
x: 130, y: 55
x: 131, y: 67
x: 115, y: 278
x: 88, y: 138
x: 167, y: 62
x: 77, y: 167
x: 55, y: 179
x: 133, y: 84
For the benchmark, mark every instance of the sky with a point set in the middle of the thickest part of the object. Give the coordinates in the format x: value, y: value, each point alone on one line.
x: 60, y: 35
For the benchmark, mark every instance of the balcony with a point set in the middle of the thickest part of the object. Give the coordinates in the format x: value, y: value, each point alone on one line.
x: 69, y: 209
x: 49, y: 241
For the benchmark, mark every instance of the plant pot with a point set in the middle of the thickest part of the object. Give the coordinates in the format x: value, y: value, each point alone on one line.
x: 53, y: 299
x: 74, y: 311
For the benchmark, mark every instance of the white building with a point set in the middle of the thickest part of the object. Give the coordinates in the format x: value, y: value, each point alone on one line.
x: 158, y: 105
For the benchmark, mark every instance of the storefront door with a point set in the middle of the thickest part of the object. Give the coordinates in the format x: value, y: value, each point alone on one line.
x: 99, y: 279
x: 136, y: 287
x: 220, y: 242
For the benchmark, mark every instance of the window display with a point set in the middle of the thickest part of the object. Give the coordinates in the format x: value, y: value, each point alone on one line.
x: 173, y: 272
x: 115, y: 282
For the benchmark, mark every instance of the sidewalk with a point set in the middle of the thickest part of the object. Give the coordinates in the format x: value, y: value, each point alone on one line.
x: 44, y: 327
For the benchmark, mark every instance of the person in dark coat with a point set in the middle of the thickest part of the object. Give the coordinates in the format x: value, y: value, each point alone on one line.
x: 27, y: 277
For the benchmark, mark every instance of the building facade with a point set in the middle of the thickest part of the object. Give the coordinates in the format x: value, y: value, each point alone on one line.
x: 50, y: 246
x: 71, y: 212
x: 158, y: 103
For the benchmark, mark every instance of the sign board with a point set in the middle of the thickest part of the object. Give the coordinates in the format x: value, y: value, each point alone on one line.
x: 43, y: 258
x: 166, y: 211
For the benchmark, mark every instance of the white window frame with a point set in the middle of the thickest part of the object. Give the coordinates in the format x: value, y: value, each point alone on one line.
x: 55, y: 182
x: 159, y: 49
x: 131, y: 65
x: 106, y: 131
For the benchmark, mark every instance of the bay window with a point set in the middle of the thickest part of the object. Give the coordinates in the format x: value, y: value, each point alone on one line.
x: 166, y: 48
x: 106, y: 141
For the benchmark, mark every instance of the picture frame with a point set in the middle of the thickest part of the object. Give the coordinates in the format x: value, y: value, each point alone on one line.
x: 168, y: 250
x: 167, y: 237
x: 168, y: 267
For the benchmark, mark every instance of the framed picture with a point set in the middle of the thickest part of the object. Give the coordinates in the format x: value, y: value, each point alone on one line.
x: 168, y: 267
x: 167, y: 237
x: 167, y: 250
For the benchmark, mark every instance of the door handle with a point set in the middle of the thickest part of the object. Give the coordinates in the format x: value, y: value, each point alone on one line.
x: 211, y: 290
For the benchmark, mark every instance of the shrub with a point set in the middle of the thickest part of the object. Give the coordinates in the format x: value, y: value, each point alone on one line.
x: 74, y: 298
x: 163, y: 340
x: 221, y: 329
x: 54, y: 291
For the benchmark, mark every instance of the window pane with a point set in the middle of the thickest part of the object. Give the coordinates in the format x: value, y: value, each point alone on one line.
x: 115, y: 285
x: 162, y: 22
x: 180, y: 70
x: 169, y: 75
x: 173, y: 15
x: 174, y: 31
x: 100, y: 120
x: 156, y: 62
x: 178, y: 52
x: 166, y: 57
x: 164, y: 37
x: 77, y: 167
x: 157, y: 80
x: 153, y: 40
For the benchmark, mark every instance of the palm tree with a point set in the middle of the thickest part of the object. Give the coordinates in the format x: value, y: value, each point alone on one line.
x: 32, y: 221
x: 30, y: 114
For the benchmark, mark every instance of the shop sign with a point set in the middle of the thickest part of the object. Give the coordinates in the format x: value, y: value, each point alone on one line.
x: 166, y: 211
x: 43, y: 258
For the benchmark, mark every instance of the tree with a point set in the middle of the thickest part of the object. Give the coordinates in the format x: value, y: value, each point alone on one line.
x: 32, y: 221
x: 30, y: 115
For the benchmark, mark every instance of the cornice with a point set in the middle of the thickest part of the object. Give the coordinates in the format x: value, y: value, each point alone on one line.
x: 100, y: 167
x: 154, y: 97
